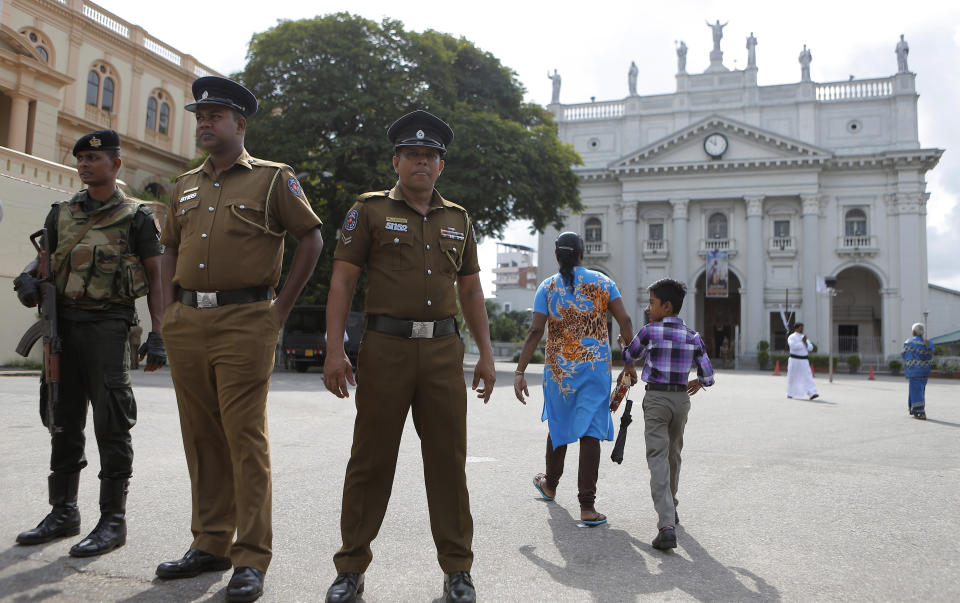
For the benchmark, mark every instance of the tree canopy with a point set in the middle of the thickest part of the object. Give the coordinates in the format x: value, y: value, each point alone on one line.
x: 330, y: 86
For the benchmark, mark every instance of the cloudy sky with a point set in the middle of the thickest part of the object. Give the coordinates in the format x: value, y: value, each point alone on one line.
x: 592, y: 44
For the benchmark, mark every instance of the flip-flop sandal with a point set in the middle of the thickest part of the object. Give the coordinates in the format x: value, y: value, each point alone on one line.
x: 536, y: 484
x: 920, y: 415
x: 598, y: 519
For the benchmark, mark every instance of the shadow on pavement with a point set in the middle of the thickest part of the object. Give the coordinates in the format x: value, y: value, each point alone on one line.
x: 938, y: 422
x: 186, y: 589
x: 46, y: 575
x: 611, y: 564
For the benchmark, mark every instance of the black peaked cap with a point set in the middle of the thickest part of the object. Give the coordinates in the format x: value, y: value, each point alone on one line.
x: 420, y: 129
x: 213, y: 90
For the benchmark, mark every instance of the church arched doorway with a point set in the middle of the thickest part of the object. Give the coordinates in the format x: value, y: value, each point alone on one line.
x: 857, y: 315
x: 717, y: 320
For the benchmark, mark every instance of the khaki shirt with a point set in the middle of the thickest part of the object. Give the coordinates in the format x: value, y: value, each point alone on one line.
x: 227, y: 230
x: 412, y: 260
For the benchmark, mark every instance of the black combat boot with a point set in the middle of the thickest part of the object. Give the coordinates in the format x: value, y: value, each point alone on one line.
x: 64, y: 519
x: 111, y: 530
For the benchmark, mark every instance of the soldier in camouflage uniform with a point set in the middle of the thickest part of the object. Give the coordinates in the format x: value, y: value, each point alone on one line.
x: 106, y: 254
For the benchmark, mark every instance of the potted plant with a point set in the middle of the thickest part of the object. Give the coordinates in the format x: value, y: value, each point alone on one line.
x: 853, y: 362
x: 763, y: 354
x: 894, y: 366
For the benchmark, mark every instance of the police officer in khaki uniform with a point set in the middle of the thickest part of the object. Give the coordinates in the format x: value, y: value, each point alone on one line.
x: 421, y: 254
x: 106, y: 253
x: 224, y: 248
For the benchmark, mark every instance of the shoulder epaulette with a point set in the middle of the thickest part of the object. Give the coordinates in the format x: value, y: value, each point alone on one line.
x: 373, y: 194
x: 265, y: 163
x: 189, y: 172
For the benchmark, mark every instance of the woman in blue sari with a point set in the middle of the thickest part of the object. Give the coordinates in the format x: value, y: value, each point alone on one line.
x: 917, y: 361
x: 573, y: 305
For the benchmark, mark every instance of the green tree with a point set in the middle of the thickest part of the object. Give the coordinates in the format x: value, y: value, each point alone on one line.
x: 330, y: 86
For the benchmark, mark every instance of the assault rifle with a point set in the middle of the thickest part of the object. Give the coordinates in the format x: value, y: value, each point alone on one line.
x: 45, y: 328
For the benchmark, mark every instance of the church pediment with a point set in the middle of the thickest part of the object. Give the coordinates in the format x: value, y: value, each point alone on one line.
x: 720, y: 143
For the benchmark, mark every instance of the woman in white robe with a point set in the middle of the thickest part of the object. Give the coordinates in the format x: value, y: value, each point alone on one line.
x: 799, y: 376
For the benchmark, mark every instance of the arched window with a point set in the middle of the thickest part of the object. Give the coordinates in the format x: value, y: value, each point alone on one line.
x: 40, y: 42
x: 151, y: 113
x: 855, y: 223
x: 101, y: 86
x: 593, y: 230
x: 93, y: 88
x: 717, y: 226
x: 158, y: 112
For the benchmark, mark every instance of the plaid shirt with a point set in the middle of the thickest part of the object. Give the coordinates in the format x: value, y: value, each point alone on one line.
x: 670, y: 348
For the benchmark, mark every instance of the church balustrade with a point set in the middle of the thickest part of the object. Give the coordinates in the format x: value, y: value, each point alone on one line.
x: 782, y: 247
x: 596, y: 249
x: 857, y: 245
x: 594, y: 111
x: 854, y: 89
x: 655, y: 248
x: 729, y: 245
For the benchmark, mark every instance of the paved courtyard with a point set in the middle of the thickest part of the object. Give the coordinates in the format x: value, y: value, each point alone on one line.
x: 842, y: 498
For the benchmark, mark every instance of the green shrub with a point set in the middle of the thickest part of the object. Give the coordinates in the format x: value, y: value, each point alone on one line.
x: 895, y: 366
x: 853, y: 362
x: 820, y: 361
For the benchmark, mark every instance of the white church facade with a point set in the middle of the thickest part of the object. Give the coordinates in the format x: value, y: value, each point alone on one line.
x: 796, y: 183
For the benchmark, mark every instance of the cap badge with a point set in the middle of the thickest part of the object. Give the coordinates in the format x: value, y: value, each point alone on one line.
x: 420, y: 134
x: 95, y: 142
x: 205, y: 94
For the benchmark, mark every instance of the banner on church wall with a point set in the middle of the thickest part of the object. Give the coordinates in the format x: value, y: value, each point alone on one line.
x: 717, y: 273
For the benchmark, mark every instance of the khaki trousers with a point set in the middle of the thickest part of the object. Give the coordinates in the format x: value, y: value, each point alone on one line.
x: 664, y: 417
x: 397, y: 374
x: 221, y: 360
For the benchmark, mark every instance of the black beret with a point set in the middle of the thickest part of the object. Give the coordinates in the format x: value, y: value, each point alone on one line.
x: 101, y: 140
x: 213, y: 90
x: 420, y: 129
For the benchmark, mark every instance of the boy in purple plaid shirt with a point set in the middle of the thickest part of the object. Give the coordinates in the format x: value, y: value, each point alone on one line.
x: 670, y: 349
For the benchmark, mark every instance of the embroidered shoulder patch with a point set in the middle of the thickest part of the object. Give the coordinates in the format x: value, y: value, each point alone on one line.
x: 353, y: 218
x: 294, y: 186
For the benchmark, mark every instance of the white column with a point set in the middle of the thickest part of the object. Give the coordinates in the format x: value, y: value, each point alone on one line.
x: 630, y: 260
x: 913, y: 270
x: 809, y: 266
x: 19, y: 114
x: 679, y: 264
x: 751, y: 328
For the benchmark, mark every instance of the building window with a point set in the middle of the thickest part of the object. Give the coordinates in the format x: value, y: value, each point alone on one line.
x: 781, y: 228
x: 101, y: 86
x: 593, y: 230
x: 158, y: 112
x: 655, y: 232
x: 717, y: 226
x: 855, y: 223
x: 39, y: 42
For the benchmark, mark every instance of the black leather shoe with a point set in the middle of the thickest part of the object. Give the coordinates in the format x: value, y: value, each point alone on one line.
x: 245, y: 585
x: 193, y: 564
x: 666, y: 539
x: 676, y: 518
x: 345, y: 588
x: 458, y: 588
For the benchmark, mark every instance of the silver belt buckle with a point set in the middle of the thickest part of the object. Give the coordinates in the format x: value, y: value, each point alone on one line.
x: 207, y: 299
x: 422, y: 330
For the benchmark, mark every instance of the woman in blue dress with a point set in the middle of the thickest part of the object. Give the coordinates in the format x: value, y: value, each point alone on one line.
x: 917, y: 361
x: 573, y: 305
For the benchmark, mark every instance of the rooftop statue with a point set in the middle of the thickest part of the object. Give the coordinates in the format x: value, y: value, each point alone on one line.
x: 751, y: 51
x: 632, y: 78
x: 805, y: 58
x: 717, y: 33
x: 556, y: 86
x: 902, y: 49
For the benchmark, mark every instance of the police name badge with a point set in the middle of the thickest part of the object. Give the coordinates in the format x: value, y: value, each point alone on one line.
x: 188, y: 197
x: 397, y: 227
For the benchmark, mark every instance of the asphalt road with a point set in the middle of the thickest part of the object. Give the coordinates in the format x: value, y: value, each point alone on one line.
x: 842, y: 498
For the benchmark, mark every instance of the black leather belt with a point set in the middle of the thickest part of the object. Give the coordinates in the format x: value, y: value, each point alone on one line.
x: 798, y: 357
x: 667, y: 387
x: 215, y: 299
x: 411, y: 328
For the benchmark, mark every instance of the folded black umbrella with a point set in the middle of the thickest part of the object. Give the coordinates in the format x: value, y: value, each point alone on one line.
x: 617, y: 455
